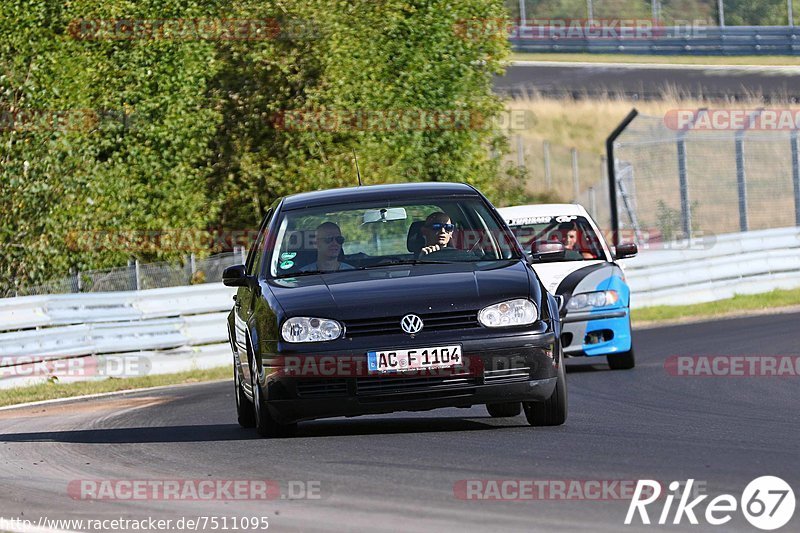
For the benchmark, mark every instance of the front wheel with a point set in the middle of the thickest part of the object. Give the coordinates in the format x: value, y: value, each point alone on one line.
x: 266, y: 426
x: 621, y: 361
x: 553, y: 411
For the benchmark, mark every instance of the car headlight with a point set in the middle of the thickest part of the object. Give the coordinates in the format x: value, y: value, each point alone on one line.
x: 587, y: 300
x: 307, y: 329
x: 511, y: 313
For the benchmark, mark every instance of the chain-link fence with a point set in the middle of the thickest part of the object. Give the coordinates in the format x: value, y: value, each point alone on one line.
x: 667, y: 12
x: 695, y: 173
x: 563, y: 175
x: 139, y: 276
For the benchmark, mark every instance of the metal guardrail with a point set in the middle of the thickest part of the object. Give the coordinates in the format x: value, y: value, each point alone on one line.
x: 169, y: 330
x: 704, y: 40
x: 181, y: 328
x: 705, y: 270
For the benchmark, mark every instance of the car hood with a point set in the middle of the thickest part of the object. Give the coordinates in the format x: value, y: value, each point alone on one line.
x: 552, y: 274
x: 396, y: 290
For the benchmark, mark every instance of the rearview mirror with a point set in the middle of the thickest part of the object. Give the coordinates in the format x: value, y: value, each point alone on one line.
x: 234, y: 276
x: 547, y: 251
x: 626, y: 250
x: 384, y: 215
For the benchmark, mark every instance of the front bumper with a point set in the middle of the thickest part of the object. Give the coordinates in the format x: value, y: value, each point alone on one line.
x: 595, y: 333
x: 520, y: 367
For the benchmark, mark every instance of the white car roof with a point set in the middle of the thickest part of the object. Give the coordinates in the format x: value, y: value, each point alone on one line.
x: 542, y: 210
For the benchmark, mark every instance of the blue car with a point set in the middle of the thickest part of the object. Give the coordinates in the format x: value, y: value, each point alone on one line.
x: 576, y: 265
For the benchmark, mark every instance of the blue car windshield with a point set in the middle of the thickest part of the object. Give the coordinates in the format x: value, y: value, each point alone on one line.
x: 376, y: 235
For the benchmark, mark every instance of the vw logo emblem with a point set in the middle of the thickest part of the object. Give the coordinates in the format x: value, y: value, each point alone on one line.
x: 411, y: 324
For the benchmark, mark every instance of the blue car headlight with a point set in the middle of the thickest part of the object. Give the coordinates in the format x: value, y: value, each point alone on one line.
x: 519, y: 312
x: 309, y: 329
x: 589, y: 300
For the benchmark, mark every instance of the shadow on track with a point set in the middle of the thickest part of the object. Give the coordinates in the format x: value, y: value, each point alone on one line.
x: 391, y: 425
x: 587, y: 367
x: 232, y: 432
x: 200, y: 433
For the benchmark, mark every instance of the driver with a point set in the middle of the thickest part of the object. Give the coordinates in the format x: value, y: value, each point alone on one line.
x: 569, y: 237
x: 438, y: 230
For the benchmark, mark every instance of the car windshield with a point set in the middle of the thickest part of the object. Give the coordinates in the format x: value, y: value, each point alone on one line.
x: 574, y: 232
x: 377, y: 235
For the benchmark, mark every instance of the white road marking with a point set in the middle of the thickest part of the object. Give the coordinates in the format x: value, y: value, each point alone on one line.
x: 102, y: 395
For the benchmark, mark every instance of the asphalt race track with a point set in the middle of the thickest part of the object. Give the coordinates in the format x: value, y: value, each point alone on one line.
x: 649, y: 82
x: 397, y: 472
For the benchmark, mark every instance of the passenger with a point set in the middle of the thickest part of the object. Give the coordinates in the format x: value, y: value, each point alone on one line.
x: 329, y: 247
x: 438, y: 230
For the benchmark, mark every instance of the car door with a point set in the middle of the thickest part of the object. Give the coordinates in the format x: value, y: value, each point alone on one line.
x: 244, y: 299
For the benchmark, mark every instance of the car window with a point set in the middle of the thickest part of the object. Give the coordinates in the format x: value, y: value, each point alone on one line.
x: 373, y: 234
x: 575, y: 232
x: 255, y: 257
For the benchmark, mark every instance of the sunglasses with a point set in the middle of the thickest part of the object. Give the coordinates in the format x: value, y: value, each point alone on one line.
x: 328, y: 240
x: 438, y: 226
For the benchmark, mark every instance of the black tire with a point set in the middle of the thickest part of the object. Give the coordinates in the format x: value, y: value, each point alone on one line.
x: 553, y: 411
x: 245, y: 410
x: 622, y: 361
x: 504, y: 410
x: 266, y: 426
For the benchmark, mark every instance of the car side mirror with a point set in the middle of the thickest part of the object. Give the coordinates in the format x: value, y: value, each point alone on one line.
x: 235, y: 276
x: 547, y: 251
x: 626, y: 250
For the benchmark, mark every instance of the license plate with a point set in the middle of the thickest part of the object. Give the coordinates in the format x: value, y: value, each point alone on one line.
x: 416, y: 359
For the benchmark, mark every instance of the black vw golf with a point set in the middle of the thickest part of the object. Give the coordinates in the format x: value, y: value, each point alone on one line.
x: 391, y: 298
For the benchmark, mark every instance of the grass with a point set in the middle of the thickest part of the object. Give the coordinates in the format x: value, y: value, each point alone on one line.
x: 584, y: 124
x: 49, y: 391
x: 736, y: 305
x: 660, y: 60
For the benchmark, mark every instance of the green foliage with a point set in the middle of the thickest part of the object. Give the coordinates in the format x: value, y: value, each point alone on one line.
x: 380, y: 59
x: 750, y: 13
x: 189, y: 133
x: 133, y: 154
x: 668, y: 220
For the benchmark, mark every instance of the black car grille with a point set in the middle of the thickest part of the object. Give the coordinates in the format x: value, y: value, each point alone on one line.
x: 319, y: 388
x: 390, y: 384
x: 431, y: 322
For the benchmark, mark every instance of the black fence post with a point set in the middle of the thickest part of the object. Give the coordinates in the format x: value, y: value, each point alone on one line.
x: 612, y: 173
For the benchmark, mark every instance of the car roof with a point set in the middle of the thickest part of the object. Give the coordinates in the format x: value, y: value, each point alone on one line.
x: 542, y: 210
x: 393, y: 191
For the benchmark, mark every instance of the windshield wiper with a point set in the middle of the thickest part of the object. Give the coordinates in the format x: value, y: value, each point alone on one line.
x: 395, y: 262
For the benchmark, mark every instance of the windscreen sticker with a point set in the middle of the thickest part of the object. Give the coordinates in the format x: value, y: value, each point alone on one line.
x: 287, y: 264
x: 566, y: 218
x: 285, y: 256
x: 529, y: 220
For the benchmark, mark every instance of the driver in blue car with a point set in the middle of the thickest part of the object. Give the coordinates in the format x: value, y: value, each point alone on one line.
x: 329, y: 247
x: 438, y: 230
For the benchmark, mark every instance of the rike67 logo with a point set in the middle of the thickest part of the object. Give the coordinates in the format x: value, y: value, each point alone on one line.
x: 767, y: 502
